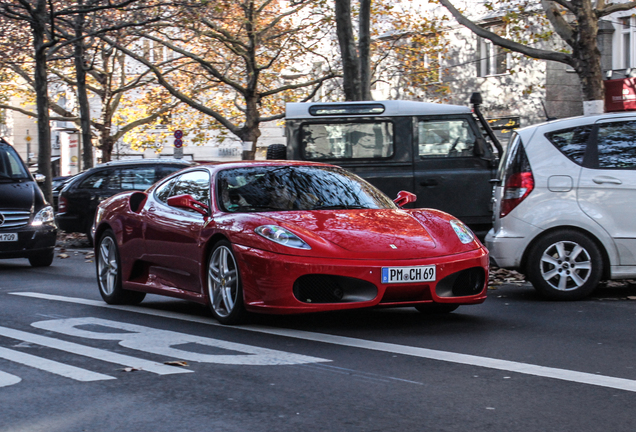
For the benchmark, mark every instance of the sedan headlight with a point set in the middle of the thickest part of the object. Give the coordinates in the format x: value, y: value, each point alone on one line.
x: 281, y: 236
x: 465, y: 235
x: 44, y: 217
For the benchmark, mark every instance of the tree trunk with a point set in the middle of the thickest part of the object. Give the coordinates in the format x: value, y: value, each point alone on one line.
x: 251, y: 131
x: 350, y: 63
x: 85, y: 112
x: 42, y: 98
x: 364, y: 44
x: 588, y: 60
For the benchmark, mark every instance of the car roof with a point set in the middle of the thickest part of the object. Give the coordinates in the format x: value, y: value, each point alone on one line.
x: 575, y: 121
x: 392, y: 108
x: 165, y: 161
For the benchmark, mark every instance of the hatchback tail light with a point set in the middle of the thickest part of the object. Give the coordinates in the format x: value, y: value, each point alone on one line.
x: 61, y: 205
x: 518, y: 181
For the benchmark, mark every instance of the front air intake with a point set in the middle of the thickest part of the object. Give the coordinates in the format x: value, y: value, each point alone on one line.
x: 321, y: 288
x: 463, y: 283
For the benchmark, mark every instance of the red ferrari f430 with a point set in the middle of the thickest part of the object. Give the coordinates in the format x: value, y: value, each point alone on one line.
x: 283, y: 237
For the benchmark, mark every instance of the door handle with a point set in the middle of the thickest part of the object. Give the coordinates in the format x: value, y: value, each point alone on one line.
x: 606, y: 179
x: 429, y: 182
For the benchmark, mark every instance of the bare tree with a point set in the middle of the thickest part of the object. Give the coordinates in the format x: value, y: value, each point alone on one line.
x: 356, y: 61
x: 576, y: 22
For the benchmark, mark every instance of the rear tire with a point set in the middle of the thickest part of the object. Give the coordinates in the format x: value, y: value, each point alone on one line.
x: 565, y: 265
x: 276, y: 151
x: 436, y: 308
x: 108, y: 267
x: 45, y: 259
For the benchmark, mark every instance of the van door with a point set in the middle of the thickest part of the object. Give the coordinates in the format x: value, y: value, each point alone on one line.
x: 453, y: 168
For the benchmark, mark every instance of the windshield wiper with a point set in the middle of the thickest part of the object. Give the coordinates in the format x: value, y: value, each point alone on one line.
x: 340, y: 207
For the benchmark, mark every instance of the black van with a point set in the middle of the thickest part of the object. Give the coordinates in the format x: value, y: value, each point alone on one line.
x: 446, y: 154
x: 27, y: 223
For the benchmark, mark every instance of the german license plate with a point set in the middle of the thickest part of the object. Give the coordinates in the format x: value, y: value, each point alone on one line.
x: 7, y: 237
x: 408, y: 274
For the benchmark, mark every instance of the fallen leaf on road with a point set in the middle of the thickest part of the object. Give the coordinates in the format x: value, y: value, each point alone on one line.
x: 176, y: 363
x: 131, y: 369
x: 63, y: 256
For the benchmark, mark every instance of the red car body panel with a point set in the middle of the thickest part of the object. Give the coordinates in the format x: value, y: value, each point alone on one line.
x: 165, y: 250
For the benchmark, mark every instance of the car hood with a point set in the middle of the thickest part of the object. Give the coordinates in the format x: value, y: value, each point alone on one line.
x: 382, y: 234
x: 18, y: 196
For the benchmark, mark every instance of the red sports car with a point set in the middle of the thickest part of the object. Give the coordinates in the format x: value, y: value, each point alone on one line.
x: 283, y: 237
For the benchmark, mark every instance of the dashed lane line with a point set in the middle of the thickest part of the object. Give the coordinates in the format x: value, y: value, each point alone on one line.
x: 445, y: 356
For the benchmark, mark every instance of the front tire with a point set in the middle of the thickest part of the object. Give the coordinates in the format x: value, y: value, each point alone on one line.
x: 225, y: 290
x: 565, y: 265
x: 108, y: 267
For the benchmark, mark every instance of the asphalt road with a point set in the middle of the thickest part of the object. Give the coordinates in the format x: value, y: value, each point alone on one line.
x: 69, y: 362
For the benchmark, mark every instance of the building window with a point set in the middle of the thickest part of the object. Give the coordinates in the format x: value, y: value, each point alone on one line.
x: 626, y: 42
x: 493, y: 59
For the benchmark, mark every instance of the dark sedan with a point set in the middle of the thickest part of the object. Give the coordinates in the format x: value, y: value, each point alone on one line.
x: 78, y: 200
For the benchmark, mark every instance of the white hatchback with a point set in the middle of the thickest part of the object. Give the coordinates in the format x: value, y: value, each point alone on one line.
x: 565, y: 204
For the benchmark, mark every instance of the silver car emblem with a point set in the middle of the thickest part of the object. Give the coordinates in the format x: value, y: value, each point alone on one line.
x: 1, y: 219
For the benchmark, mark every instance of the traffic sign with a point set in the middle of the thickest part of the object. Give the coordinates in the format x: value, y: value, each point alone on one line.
x: 178, y: 143
x: 178, y: 134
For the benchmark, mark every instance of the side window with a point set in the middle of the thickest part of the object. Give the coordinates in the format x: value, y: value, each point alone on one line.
x: 571, y: 142
x: 133, y: 178
x: 162, y: 193
x: 363, y: 140
x: 445, y: 138
x: 194, y: 183
x: 617, y: 145
x: 95, y: 181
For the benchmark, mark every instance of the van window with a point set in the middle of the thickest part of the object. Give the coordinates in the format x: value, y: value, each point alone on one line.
x: 95, y: 181
x: 364, y: 140
x: 10, y: 164
x: 445, y: 138
x: 134, y: 178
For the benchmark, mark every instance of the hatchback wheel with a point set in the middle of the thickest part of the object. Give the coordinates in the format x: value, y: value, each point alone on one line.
x: 225, y: 292
x: 109, y: 273
x: 565, y: 265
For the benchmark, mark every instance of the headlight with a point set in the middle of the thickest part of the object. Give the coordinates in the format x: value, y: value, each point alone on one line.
x: 44, y: 217
x: 281, y: 236
x: 465, y: 235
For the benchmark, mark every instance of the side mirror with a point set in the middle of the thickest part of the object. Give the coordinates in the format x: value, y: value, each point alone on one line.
x: 188, y: 202
x: 404, y: 197
x: 39, y: 178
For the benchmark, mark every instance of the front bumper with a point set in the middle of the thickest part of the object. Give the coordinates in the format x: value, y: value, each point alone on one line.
x: 270, y: 281
x: 31, y: 242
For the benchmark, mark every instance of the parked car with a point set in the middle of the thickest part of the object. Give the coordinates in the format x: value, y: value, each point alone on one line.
x: 27, y: 226
x: 565, y: 204
x: 57, y: 184
x: 79, y: 198
x: 283, y: 237
x: 446, y: 154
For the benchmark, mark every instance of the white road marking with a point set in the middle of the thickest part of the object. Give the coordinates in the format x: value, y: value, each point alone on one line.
x: 165, y: 342
x: 6, y: 379
x: 91, y: 352
x: 451, y: 357
x: 51, y: 366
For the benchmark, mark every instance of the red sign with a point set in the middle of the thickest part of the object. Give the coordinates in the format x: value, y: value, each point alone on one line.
x: 178, y: 134
x: 178, y: 143
x: 620, y: 94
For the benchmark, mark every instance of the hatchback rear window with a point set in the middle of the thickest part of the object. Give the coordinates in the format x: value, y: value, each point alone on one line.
x: 571, y: 142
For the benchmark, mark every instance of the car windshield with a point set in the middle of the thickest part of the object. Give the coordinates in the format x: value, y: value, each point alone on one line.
x: 11, y: 166
x: 281, y: 188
